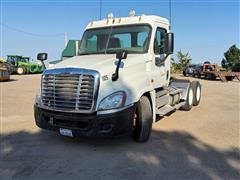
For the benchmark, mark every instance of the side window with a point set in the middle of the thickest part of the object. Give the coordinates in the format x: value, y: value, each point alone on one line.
x: 159, y: 41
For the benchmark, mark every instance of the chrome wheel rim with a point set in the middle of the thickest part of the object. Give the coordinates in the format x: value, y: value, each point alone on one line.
x: 198, y: 93
x: 190, y: 97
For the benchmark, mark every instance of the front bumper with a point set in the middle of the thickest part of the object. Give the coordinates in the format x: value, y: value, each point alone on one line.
x: 88, y: 125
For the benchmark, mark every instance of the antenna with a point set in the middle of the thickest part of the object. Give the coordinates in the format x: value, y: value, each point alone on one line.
x: 100, y: 10
x: 170, y: 14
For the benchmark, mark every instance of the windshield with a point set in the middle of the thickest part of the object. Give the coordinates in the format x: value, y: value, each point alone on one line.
x: 25, y: 60
x: 133, y: 39
x: 13, y: 59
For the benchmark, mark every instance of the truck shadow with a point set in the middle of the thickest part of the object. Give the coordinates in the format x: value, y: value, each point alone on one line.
x: 168, y: 155
x: 8, y: 81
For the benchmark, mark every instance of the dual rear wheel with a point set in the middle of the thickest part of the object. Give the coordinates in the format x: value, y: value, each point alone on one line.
x: 193, y: 96
x: 143, y: 117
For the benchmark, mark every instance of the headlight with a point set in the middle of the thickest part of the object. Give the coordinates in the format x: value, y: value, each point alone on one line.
x: 113, y: 101
x: 38, y: 100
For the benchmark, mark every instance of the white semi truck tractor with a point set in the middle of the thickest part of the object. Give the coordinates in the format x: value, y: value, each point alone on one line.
x: 118, y: 83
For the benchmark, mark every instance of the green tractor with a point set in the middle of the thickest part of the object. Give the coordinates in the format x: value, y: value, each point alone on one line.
x: 21, y: 65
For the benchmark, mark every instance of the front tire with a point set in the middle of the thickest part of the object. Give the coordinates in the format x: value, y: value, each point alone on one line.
x: 21, y: 70
x: 142, y: 125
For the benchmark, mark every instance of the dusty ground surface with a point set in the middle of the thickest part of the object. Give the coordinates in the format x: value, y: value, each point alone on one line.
x: 200, y: 144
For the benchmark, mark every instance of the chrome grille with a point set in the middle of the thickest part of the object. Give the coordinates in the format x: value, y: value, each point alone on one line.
x: 70, y: 91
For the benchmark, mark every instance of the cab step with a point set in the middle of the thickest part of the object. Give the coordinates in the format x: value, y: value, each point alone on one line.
x: 176, y: 91
x: 167, y: 108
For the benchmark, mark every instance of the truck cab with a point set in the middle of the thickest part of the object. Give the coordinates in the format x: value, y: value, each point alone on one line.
x: 118, y: 83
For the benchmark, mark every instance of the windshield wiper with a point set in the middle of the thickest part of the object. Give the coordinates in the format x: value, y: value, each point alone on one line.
x: 83, y: 53
x: 109, y: 36
x: 91, y: 53
x: 110, y: 51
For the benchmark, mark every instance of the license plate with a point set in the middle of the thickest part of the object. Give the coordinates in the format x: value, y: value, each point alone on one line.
x: 66, y: 132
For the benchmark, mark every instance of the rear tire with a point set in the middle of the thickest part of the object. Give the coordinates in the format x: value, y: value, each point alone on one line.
x: 213, y: 77
x: 184, y: 73
x: 229, y: 78
x: 197, y: 90
x: 142, y: 125
x: 189, y: 100
x: 21, y: 70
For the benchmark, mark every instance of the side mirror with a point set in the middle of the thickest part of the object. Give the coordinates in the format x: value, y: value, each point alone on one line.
x: 121, y: 55
x: 169, y: 43
x: 42, y: 56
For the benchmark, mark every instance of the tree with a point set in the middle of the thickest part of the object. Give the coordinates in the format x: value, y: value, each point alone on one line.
x: 232, y: 59
x: 184, y: 59
x: 175, y: 67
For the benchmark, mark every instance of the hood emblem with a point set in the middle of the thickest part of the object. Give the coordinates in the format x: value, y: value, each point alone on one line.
x: 105, y: 77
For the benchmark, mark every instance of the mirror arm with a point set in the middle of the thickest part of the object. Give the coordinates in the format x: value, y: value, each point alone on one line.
x: 43, y: 65
x: 115, y: 75
x: 120, y: 56
x: 165, y: 57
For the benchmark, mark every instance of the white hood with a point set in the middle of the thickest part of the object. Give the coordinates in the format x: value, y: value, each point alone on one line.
x: 100, y: 62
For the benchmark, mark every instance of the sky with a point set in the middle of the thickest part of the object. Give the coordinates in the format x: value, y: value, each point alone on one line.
x: 203, y: 28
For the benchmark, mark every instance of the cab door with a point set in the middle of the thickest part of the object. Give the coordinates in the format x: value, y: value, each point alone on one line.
x: 158, y: 55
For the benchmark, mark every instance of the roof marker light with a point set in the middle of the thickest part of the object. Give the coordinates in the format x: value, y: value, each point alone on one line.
x: 140, y: 18
x: 110, y: 15
x: 132, y: 13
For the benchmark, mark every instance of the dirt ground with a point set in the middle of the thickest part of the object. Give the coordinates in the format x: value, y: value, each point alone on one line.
x: 200, y: 144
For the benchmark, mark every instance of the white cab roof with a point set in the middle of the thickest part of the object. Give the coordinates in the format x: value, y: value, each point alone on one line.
x: 144, y: 19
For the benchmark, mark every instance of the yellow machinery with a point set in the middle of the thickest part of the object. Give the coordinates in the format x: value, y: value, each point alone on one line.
x: 1, y: 60
x: 4, y: 74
